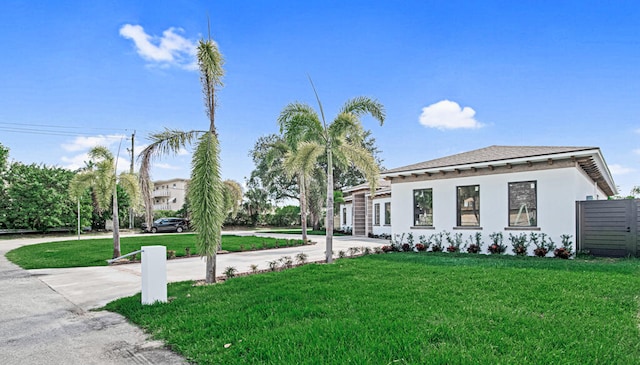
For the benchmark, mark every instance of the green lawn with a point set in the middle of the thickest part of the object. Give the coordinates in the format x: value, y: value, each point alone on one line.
x: 404, y: 308
x: 74, y: 253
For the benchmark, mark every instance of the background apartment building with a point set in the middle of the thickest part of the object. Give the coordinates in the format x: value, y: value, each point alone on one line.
x: 169, y: 194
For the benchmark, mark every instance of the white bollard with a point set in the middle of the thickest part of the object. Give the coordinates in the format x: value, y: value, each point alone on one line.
x: 154, y: 274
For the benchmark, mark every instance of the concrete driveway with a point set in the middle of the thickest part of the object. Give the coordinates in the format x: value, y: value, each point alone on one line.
x: 45, y: 313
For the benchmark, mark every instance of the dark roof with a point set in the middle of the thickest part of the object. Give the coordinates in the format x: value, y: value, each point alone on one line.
x: 489, y: 154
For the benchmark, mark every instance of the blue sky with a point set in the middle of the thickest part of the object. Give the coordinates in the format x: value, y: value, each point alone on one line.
x: 453, y: 75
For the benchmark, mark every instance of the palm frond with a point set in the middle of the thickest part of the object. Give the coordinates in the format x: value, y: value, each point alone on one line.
x: 129, y: 182
x: 80, y: 183
x: 299, y: 122
x: 205, y: 194
x: 362, y: 159
x: 346, y: 125
x: 100, y: 154
x: 304, y: 160
x: 364, y: 105
x: 232, y: 196
x: 210, y: 62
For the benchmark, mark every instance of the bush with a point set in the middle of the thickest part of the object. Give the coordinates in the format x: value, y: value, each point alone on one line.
x: 497, y: 247
x: 474, y: 244
x: 284, y: 217
x: 566, y: 251
x: 519, y: 243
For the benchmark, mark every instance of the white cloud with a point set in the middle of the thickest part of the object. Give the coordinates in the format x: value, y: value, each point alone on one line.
x: 617, y: 169
x: 637, y: 151
x: 447, y: 114
x: 85, y: 143
x: 166, y: 166
x: 171, y: 49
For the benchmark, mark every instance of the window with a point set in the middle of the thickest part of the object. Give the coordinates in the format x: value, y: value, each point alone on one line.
x: 523, y: 204
x: 376, y: 208
x: 387, y: 213
x: 423, y: 207
x: 468, y: 206
x: 344, y: 216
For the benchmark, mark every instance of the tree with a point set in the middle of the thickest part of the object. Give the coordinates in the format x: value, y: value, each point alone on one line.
x: 205, y: 192
x: 268, y: 157
x: 341, y: 139
x: 103, y: 179
x: 36, y: 197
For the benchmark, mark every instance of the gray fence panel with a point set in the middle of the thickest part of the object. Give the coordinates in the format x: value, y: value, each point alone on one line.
x: 608, y: 227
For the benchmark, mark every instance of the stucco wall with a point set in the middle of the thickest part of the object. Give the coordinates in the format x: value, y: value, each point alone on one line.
x: 349, y: 224
x: 381, y: 228
x: 557, y: 192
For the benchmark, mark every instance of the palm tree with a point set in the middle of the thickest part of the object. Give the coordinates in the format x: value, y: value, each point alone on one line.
x: 102, y: 178
x: 205, y: 192
x: 341, y: 139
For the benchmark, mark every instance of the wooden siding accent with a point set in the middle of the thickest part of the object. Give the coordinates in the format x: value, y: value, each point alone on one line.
x: 359, y: 215
x: 369, y: 216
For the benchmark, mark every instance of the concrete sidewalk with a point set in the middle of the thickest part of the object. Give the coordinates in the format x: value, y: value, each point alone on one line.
x: 40, y: 326
x: 93, y: 287
x: 45, y: 317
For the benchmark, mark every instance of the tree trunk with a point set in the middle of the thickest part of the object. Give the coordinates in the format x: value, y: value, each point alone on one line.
x: 211, y: 269
x: 116, y: 225
x: 329, y: 225
x: 303, y: 207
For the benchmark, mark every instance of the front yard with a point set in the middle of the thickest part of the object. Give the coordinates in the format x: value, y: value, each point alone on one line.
x: 406, y: 308
x: 95, y: 252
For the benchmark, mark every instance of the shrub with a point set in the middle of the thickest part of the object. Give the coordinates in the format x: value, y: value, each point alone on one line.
x: 543, y: 245
x: 301, y: 258
x: 342, y: 254
x: 273, y: 265
x: 230, y: 272
x: 386, y: 248
x: 379, y: 250
x: 397, y: 242
x: 171, y: 254
x: 421, y: 247
x: 474, y: 244
x: 566, y: 250
x: 254, y: 268
x: 287, y: 262
x: 353, y: 251
x: 454, y: 241
x: 497, y: 247
x: 519, y: 243
x: 437, y: 242
x: 365, y: 250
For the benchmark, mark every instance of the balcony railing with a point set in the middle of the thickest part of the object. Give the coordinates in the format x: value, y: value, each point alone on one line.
x: 161, y: 207
x: 161, y: 192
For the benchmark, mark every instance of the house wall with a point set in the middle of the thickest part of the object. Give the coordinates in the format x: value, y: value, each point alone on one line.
x: 381, y: 228
x: 348, y: 226
x: 557, y: 191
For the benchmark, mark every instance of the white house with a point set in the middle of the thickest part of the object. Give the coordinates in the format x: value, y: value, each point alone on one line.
x: 363, y: 215
x: 169, y: 194
x: 509, y: 189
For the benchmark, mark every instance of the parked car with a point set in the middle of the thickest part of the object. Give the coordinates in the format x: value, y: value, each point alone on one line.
x: 167, y: 225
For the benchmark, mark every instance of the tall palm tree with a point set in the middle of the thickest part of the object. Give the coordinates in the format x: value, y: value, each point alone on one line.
x: 103, y: 180
x: 341, y: 139
x: 205, y: 191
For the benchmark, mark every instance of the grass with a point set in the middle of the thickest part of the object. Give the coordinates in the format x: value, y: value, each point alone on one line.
x: 95, y: 252
x: 321, y: 232
x: 405, y: 308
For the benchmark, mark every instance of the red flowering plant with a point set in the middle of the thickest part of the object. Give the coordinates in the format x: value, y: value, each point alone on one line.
x: 519, y: 244
x: 455, y: 241
x: 566, y: 251
x: 437, y: 242
x: 497, y: 247
x: 474, y: 244
x: 543, y: 243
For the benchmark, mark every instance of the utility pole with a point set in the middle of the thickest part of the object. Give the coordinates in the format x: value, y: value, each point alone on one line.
x: 133, y: 137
